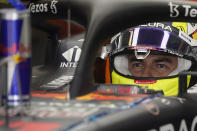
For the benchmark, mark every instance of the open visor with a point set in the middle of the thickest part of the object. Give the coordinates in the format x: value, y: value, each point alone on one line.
x: 148, y: 41
x: 129, y: 65
x: 153, y: 39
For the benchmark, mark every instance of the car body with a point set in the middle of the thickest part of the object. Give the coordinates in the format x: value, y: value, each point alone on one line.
x: 67, y: 98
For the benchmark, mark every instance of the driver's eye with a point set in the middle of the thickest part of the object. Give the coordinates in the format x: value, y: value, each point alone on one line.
x: 137, y: 66
x: 162, y: 66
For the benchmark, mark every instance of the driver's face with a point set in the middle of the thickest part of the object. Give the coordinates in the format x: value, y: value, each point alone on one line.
x: 152, y: 66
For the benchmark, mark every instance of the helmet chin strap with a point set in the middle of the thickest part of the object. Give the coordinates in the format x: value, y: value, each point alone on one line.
x: 183, y: 65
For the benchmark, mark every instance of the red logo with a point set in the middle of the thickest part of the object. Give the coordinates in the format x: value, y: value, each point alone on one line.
x: 23, y: 49
x: 11, y: 50
x: 143, y: 47
x: 145, y: 81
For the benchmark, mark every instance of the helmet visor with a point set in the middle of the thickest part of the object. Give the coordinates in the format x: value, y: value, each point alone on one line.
x: 154, y: 39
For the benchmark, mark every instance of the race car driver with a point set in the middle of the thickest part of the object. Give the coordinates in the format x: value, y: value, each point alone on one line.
x: 152, y: 56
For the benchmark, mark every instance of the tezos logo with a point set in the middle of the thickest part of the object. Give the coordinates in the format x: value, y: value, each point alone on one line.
x: 37, y: 8
x: 188, y: 10
x: 72, y: 56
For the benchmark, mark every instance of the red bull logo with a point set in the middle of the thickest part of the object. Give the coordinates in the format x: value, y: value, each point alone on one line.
x: 15, y: 43
x: 10, y: 32
x: 7, y: 51
x: 18, y: 59
x: 10, y: 50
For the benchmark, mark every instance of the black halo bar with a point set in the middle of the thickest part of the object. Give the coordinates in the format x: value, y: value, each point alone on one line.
x: 183, y: 81
x: 105, y: 18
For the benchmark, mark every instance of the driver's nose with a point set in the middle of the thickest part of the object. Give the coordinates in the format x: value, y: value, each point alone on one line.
x: 147, y: 72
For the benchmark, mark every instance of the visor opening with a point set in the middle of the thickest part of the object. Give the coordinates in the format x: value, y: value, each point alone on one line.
x: 141, y: 53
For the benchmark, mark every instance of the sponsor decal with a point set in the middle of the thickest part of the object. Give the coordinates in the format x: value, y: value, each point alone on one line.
x: 174, y: 52
x: 72, y: 56
x: 181, y: 26
x: 145, y: 81
x: 53, y: 6
x: 64, y: 79
x: 18, y: 59
x: 44, y: 7
x: 192, y: 30
x: 182, y: 127
x: 192, y: 27
x: 187, y: 31
x: 176, y: 8
x: 13, y: 49
x: 188, y: 28
x: 36, y: 8
x: 158, y: 25
x: 143, y: 47
x: 185, y: 37
x: 174, y: 12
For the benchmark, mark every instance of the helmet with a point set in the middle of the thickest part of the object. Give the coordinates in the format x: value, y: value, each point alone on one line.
x: 152, y: 56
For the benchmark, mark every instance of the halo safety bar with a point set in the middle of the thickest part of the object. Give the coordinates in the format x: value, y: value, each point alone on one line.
x: 105, y: 18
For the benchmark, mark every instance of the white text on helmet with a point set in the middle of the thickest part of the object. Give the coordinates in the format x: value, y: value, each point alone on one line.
x: 158, y: 25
